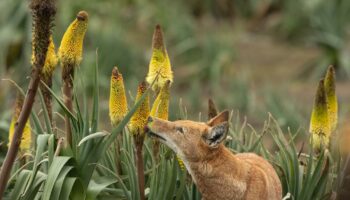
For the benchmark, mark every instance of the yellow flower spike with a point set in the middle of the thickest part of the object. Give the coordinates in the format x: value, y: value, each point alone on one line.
x: 50, y: 61
x: 27, y: 136
x: 117, y: 99
x: 160, y: 106
x: 319, y: 123
x: 139, y: 119
x: 71, y: 47
x: 70, y: 55
x: 47, y: 72
x: 160, y: 62
x: 329, y: 85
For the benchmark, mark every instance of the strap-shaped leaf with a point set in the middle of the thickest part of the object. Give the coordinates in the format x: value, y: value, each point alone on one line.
x: 56, y: 167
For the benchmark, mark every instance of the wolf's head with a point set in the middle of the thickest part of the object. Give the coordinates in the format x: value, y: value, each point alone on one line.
x: 192, y: 141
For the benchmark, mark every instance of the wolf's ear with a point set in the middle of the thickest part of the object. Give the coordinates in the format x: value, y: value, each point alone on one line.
x: 218, y: 119
x: 216, y: 134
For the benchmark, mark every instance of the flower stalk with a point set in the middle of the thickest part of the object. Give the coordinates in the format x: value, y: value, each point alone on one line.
x: 136, y: 128
x: 43, y: 12
x: 70, y: 55
x: 118, y: 108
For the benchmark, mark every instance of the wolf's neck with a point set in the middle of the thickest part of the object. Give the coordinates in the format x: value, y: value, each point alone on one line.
x: 219, y: 170
x: 214, y: 164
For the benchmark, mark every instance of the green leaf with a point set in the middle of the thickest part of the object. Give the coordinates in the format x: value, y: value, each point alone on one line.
x: 93, y: 136
x: 60, y: 102
x: 51, y: 148
x: 46, y: 114
x: 34, y: 192
x: 59, y: 183
x: 41, y: 146
x: 95, y: 110
x: 38, y: 128
x: 67, y: 187
x: 21, y: 183
x: 78, y: 191
x: 55, y: 169
x: 95, y: 188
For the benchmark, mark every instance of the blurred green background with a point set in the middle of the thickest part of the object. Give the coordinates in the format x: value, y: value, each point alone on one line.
x: 252, y: 56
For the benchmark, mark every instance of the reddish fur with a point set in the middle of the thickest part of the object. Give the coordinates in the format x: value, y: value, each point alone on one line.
x: 217, y: 172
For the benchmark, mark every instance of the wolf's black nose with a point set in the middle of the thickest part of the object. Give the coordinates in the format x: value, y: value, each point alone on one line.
x: 146, y: 129
x: 150, y: 119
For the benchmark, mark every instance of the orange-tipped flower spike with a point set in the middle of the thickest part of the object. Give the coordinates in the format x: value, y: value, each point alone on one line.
x: 50, y: 61
x: 160, y: 62
x: 70, y: 55
x: 160, y: 106
x: 117, y: 99
x: 27, y: 135
x: 139, y: 119
x: 47, y: 72
x: 71, y: 47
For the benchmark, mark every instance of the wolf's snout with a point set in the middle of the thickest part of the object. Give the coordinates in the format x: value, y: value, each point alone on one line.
x: 147, y: 128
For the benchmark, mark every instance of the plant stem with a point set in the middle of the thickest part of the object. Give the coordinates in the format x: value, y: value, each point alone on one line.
x: 59, y: 147
x: 19, y: 126
x: 47, y: 96
x: 138, y: 140
x: 117, y: 145
x: 67, y: 76
x: 43, y: 12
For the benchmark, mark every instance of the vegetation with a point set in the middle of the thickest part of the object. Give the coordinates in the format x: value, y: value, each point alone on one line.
x: 61, y: 147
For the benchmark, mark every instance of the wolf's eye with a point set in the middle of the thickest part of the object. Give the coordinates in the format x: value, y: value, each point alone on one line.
x: 180, y: 130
